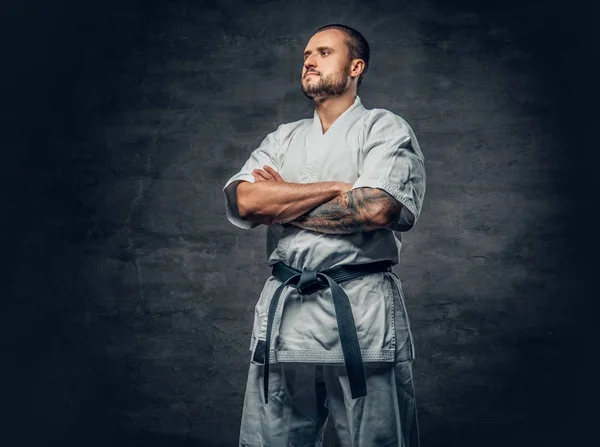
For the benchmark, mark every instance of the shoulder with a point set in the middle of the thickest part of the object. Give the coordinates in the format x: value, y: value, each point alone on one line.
x: 382, y: 125
x: 384, y: 121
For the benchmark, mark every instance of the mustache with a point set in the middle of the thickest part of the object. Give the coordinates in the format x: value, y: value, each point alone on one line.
x: 310, y: 72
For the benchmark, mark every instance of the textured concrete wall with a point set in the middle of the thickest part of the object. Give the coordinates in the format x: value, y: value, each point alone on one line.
x: 129, y: 296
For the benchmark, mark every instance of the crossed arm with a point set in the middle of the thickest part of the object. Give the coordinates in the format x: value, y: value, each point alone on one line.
x: 325, y: 207
x: 361, y: 209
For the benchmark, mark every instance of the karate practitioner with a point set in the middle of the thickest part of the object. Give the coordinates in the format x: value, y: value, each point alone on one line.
x: 331, y: 336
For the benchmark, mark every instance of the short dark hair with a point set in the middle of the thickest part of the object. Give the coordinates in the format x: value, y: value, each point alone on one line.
x: 358, y: 47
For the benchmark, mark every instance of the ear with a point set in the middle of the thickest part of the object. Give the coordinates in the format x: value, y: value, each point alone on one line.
x: 356, y: 67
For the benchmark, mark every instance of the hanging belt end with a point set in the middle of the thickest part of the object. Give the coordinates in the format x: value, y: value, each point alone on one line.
x: 359, y: 393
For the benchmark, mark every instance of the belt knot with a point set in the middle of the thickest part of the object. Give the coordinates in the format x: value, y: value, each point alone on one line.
x: 309, y: 282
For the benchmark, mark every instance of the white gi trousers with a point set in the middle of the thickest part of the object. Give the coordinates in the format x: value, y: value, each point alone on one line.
x: 304, y: 396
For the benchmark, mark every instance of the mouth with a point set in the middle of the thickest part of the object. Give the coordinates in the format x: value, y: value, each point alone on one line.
x: 310, y: 73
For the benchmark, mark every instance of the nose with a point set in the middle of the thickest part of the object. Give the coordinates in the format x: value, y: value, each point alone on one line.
x: 309, y: 64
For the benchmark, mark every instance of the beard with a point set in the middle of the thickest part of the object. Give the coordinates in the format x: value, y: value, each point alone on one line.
x: 333, y: 84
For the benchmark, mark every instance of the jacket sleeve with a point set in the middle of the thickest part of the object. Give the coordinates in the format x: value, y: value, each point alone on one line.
x: 265, y: 154
x: 394, y: 163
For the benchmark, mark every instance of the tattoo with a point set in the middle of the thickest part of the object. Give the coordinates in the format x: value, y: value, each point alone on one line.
x: 358, y: 210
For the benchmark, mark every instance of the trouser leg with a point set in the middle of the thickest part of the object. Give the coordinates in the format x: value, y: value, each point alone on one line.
x: 407, y: 403
x: 295, y: 415
x: 387, y: 415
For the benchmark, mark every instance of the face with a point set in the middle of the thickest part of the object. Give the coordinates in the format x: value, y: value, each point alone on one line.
x: 326, y: 69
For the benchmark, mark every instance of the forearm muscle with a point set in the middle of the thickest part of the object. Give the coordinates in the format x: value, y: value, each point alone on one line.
x: 276, y: 202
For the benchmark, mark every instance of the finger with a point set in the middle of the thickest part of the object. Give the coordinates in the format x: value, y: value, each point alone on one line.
x: 274, y: 173
x: 263, y: 174
x: 258, y: 178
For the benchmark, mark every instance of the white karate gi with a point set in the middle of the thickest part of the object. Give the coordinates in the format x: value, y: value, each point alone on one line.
x: 369, y: 148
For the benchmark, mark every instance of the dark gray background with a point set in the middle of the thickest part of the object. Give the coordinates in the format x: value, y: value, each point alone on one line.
x: 128, y: 297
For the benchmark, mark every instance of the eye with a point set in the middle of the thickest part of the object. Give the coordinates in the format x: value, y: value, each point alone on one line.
x: 325, y: 51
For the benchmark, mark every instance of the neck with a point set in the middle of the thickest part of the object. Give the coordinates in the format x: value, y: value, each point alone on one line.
x: 330, y: 108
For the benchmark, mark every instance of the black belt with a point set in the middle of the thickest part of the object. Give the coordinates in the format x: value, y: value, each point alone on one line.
x: 309, y: 281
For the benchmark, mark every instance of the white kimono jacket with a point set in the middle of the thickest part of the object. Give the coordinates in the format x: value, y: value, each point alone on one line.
x: 367, y: 147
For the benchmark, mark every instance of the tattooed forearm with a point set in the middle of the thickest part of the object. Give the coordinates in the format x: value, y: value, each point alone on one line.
x: 361, y: 209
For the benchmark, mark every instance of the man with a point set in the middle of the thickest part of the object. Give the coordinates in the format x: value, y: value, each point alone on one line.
x: 331, y: 335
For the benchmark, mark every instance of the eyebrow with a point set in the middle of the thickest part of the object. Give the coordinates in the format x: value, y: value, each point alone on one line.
x: 318, y: 49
